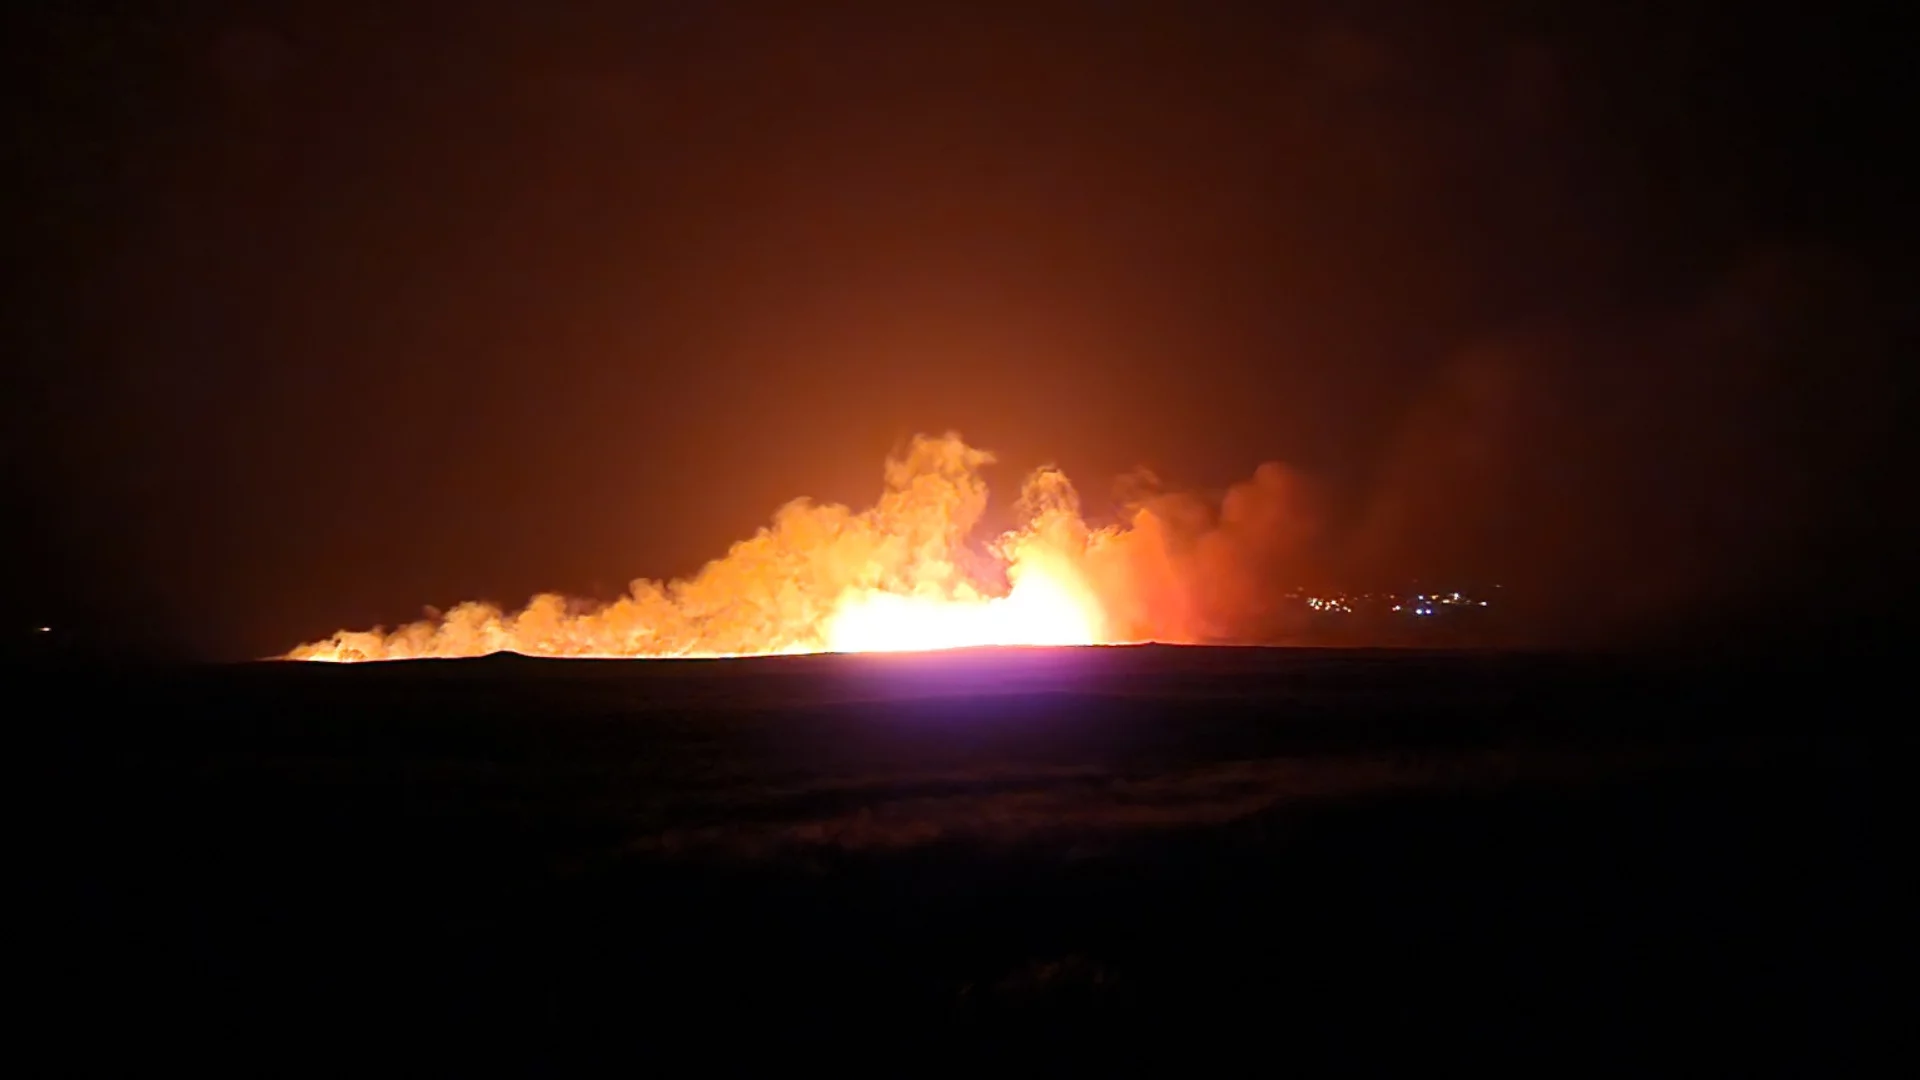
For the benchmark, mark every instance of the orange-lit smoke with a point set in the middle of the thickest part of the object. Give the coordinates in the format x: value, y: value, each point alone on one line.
x: 893, y: 577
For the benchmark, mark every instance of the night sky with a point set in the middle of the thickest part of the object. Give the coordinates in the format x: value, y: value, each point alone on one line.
x: 321, y: 312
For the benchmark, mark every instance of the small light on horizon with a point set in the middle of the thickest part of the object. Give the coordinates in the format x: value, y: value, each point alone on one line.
x: 43, y: 629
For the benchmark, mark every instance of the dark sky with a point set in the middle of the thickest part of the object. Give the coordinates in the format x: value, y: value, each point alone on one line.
x: 325, y: 311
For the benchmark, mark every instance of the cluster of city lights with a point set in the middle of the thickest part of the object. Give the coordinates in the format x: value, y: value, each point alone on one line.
x: 1423, y: 603
x: 1416, y: 604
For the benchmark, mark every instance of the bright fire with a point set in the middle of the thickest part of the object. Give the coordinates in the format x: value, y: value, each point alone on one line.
x: 1038, y: 610
x: 903, y: 575
x: 818, y: 579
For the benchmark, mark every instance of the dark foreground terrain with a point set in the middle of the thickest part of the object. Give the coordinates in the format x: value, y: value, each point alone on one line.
x: 1114, y: 858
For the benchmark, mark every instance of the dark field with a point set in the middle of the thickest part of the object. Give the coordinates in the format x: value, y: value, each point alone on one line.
x: 1105, y: 855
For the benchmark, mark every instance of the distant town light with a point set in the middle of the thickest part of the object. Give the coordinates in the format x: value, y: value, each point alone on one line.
x: 43, y: 629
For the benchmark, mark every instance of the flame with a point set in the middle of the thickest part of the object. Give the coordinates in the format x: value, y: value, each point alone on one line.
x: 1041, y: 609
x: 820, y: 578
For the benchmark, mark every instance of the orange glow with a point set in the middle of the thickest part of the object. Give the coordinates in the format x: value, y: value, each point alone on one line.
x: 1039, y: 610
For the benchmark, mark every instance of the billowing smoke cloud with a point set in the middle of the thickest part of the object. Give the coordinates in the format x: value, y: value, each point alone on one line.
x: 1183, y: 568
